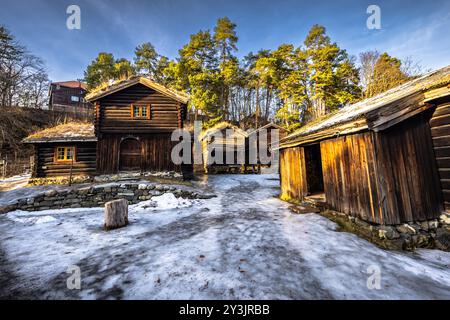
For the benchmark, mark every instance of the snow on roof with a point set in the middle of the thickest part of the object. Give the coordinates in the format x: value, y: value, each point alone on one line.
x: 108, y: 89
x: 220, y: 126
x: 269, y: 125
x: 72, y: 131
x: 355, y: 111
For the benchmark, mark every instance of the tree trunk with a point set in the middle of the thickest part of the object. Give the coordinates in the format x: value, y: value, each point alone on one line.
x: 116, y: 214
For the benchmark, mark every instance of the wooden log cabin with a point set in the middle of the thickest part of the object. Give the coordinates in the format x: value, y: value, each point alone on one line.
x: 223, y: 148
x: 256, y: 136
x: 385, y: 160
x: 64, y: 150
x: 132, y: 128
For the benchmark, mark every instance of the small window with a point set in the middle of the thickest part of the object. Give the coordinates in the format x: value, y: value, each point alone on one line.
x: 65, y: 154
x: 136, y: 112
x: 75, y: 99
x: 144, y: 112
x: 140, y: 111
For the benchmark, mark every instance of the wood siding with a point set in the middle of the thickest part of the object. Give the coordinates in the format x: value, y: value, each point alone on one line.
x: 234, y: 141
x: 45, y: 166
x: 350, y: 177
x: 408, y: 177
x: 292, y: 173
x: 389, y: 177
x: 440, y: 131
x: 115, y: 112
x: 155, y: 152
x: 115, y: 122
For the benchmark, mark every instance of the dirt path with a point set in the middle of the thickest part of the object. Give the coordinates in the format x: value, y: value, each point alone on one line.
x: 244, y: 244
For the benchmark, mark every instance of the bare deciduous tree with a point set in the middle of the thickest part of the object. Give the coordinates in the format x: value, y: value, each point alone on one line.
x: 23, y: 78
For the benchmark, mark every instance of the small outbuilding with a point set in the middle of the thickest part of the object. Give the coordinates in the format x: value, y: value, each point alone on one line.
x: 385, y: 160
x: 223, y: 148
x: 264, y: 141
x: 64, y: 150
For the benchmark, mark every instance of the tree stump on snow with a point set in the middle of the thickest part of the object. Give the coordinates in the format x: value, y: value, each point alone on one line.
x: 116, y: 214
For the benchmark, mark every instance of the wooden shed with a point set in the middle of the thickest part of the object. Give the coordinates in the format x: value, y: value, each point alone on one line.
x: 63, y: 150
x: 265, y: 133
x: 223, y: 148
x: 385, y: 160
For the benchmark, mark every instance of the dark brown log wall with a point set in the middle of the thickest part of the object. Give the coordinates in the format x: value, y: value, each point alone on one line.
x: 166, y: 114
x: 46, y: 166
x: 293, y: 173
x: 155, y: 152
x: 440, y: 130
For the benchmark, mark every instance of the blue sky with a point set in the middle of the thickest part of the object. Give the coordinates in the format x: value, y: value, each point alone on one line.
x: 418, y: 29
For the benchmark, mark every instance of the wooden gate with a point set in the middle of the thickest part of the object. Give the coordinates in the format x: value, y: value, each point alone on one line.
x: 130, y: 155
x: 440, y: 130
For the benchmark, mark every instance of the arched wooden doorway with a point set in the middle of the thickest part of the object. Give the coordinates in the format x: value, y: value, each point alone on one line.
x: 130, y: 155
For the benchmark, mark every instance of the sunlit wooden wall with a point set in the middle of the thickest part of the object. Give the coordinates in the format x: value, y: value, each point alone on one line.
x: 390, y: 177
x: 293, y: 173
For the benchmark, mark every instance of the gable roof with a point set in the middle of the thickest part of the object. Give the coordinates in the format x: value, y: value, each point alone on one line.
x: 393, y: 106
x: 220, y: 126
x: 269, y: 125
x: 68, y: 132
x: 72, y: 84
x: 121, y: 85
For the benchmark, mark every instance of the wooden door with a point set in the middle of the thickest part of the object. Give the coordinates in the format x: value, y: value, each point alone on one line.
x: 130, y: 155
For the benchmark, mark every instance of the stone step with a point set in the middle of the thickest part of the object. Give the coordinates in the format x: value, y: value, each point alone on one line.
x: 303, y: 209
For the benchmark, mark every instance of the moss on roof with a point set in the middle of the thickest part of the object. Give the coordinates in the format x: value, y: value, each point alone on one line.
x: 72, y: 131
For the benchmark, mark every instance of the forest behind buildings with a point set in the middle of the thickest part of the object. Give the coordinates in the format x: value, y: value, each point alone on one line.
x: 290, y: 85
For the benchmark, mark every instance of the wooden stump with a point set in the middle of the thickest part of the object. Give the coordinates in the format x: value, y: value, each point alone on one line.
x: 116, y: 214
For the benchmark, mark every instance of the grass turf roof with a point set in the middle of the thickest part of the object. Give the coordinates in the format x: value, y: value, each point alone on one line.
x: 72, y: 131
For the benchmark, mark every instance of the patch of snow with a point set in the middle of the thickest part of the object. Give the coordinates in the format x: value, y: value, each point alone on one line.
x: 15, y: 182
x: 243, y: 244
x: 15, y: 178
x: 166, y: 201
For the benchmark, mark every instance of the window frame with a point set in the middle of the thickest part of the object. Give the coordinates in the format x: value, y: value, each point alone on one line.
x: 140, y: 108
x: 65, y: 160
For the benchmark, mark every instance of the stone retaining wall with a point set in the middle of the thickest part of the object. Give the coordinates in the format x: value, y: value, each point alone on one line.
x: 408, y: 236
x: 97, y: 196
x: 77, y: 179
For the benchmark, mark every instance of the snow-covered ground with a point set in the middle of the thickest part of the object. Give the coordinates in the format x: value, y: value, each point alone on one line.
x: 15, y: 182
x: 244, y: 244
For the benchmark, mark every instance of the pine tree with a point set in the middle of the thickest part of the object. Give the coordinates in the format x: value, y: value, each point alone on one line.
x: 101, y: 70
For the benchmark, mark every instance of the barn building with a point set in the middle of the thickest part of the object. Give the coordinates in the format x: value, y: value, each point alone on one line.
x: 131, y: 131
x: 385, y: 160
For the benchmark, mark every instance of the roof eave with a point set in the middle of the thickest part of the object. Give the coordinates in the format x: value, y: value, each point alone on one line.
x: 59, y: 140
x: 148, y: 83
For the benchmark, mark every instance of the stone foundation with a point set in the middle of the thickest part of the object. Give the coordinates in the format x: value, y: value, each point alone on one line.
x: 408, y: 236
x: 97, y: 196
x: 105, y: 178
